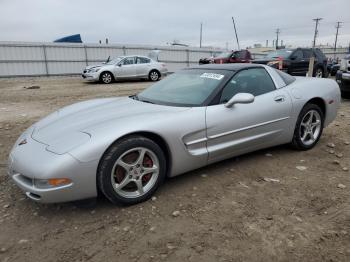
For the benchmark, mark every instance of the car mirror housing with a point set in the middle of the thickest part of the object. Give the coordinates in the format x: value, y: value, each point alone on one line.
x: 240, y: 98
x: 119, y: 64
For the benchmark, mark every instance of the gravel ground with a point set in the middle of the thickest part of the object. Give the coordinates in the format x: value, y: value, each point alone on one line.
x: 229, y: 211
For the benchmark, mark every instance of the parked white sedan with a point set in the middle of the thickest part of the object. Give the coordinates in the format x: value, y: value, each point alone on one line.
x: 126, y: 67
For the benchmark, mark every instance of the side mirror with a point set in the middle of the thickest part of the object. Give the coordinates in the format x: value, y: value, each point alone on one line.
x: 119, y: 64
x: 293, y: 57
x: 240, y: 98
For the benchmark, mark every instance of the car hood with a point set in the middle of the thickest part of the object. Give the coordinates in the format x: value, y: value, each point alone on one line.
x: 93, y: 66
x: 75, y: 121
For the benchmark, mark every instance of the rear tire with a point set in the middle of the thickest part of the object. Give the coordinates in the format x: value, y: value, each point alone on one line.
x: 154, y: 75
x: 308, y: 128
x: 131, y: 170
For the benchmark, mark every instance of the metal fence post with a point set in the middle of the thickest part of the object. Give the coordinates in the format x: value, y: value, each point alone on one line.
x: 86, y: 56
x: 188, y: 57
x: 45, y: 60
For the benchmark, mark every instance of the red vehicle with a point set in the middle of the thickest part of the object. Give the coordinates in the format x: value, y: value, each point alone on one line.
x: 241, y: 56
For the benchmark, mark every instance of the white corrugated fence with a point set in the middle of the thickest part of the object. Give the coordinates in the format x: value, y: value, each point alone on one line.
x: 48, y: 59
x: 40, y: 59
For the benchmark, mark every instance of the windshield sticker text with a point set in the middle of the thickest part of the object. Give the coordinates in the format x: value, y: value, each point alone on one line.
x: 212, y: 76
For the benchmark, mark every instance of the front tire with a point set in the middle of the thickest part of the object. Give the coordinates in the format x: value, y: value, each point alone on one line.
x: 308, y: 128
x: 106, y: 77
x: 131, y: 170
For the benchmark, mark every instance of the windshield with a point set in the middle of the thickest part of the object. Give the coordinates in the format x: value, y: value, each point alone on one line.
x: 115, y: 60
x: 185, y: 88
x: 279, y: 53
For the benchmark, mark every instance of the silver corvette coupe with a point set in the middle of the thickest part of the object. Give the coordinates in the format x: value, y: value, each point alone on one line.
x: 124, y: 147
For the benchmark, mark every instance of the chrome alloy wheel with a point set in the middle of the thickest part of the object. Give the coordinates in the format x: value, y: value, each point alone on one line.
x: 154, y: 76
x: 310, y: 127
x: 106, y: 78
x: 135, y: 172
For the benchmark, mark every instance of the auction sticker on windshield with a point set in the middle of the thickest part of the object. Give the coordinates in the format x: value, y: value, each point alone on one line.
x: 212, y: 76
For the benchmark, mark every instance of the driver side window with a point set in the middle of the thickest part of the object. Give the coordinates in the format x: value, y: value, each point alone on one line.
x: 298, y: 54
x: 255, y: 81
x: 129, y: 61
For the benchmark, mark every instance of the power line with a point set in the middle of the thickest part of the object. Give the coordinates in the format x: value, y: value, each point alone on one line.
x: 317, y: 20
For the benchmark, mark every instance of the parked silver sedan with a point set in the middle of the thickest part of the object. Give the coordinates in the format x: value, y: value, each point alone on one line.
x: 126, y: 67
x: 124, y: 147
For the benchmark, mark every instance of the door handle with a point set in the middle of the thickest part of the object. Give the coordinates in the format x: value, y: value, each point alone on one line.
x: 279, y: 99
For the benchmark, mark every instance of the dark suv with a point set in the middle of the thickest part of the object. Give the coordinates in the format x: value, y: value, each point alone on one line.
x: 343, y: 77
x: 241, y: 56
x: 296, y: 61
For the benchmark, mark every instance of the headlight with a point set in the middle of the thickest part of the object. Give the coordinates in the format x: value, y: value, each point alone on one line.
x: 68, y: 142
x: 52, y: 182
x: 94, y: 70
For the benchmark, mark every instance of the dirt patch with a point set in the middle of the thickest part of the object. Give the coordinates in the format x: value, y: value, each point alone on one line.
x: 232, y: 213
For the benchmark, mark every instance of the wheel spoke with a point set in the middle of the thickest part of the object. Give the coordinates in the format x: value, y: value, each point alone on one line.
x: 309, y: 121
x: 148, y: 170
x: 316, y: 123
x: 124, y: 165
x: 303, y: 124
x: 139, y: 186
x: 121, y: 185
x: 142, y: 153
x: 303, y: 137
x: 312, y: 136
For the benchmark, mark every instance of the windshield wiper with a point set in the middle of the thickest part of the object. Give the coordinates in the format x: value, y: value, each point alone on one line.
x: 146, y: 101
x: 135, y: 97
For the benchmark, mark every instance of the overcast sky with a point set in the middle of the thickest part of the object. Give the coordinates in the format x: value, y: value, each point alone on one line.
x: 161, y: 21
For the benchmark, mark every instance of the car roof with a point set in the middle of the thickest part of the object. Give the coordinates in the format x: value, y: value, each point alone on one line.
x: 230, y: 67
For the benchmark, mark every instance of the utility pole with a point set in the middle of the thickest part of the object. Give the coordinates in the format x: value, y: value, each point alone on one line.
x: 336, y: 38
x: 200, y: 36
x: 317, y: 20
x: 312, y: 58
x: 277, y: 33
x: 234, y: 25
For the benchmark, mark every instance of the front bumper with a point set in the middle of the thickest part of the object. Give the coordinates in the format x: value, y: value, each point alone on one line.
x: 31, y: 162
x: 91, y: 76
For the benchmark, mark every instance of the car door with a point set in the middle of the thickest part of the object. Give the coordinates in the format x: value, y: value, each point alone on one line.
x: 125, y: 68
x: 247, y: 127
x: 143, y: 66
x: 298, y: 63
